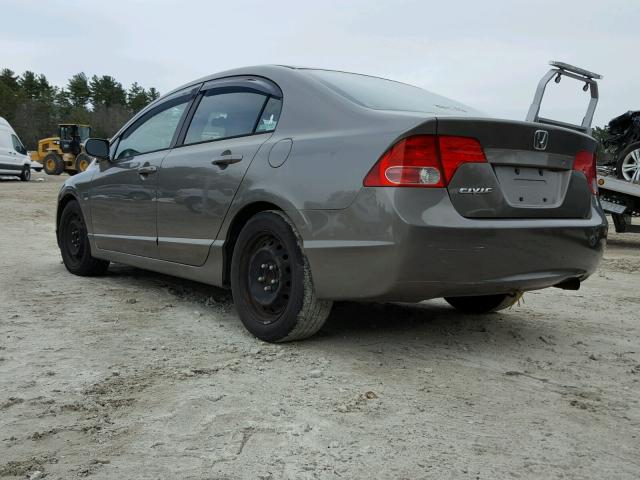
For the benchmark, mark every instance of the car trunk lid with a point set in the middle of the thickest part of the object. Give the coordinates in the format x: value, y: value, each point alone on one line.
x: 529, y: 171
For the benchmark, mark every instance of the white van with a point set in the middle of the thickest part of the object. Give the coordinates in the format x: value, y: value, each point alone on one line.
x: 14, y: 159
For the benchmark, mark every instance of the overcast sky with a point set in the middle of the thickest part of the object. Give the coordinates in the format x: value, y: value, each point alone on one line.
x: 487, y: 54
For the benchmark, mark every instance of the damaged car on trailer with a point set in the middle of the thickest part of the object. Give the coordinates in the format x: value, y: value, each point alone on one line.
x: 296, y: 187
x: 623, y: 144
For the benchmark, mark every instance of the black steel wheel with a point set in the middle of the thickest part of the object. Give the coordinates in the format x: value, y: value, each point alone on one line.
x: 269, y: 277
x: 483, y: 303
x: 74, y: 243
x: 25, y: 176
x: 271, y: 281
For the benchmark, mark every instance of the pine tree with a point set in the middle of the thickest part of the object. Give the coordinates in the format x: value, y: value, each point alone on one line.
x: 35, y: 107
x: 9, y: 79
x: 107, y: 91
x: 153, y: 94
x: 137, y: 97
x: 79, y: 91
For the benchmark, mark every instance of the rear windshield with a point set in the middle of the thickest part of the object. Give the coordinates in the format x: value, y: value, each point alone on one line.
x: 381, y: 94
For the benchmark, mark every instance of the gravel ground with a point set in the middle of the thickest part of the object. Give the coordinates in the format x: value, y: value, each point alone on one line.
x: 140, y: 375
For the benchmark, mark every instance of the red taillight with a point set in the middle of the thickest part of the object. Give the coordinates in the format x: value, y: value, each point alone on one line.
x: 423, y: 161
x: 585, y: 162
x: 454, y: 151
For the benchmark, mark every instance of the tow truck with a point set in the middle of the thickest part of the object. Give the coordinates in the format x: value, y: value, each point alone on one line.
x: 621, y: 199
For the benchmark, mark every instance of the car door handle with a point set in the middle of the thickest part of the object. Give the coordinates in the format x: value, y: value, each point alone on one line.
x: 223, y: 160
x: 147, y: 169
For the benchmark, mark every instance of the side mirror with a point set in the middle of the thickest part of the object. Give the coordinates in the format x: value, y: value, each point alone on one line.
x: 97, y: 147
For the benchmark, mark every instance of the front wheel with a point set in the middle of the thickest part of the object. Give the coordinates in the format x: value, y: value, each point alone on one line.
x: 53, y: 164
x: 25, y: 176
x: 74, y: 243
x: 271, y: 281
x: 483, y: 303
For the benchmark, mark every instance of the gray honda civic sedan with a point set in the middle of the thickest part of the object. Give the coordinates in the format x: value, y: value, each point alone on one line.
x: 296, y: 187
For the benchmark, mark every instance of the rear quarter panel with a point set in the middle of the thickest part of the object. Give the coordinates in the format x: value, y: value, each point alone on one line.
x: 334, y: 144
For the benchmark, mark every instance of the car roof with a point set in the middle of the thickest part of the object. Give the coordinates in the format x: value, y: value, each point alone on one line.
x: 264, y: 70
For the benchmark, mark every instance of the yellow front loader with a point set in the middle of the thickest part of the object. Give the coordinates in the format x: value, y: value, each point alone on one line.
x: 65, y: 152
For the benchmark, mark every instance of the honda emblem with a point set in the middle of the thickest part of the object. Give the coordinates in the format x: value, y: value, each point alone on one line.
x: 540, y: 139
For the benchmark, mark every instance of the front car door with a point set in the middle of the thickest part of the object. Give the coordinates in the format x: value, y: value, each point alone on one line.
x: 123, y: 192
x: 229, y: 121
x: 11, y: 157
x: 6, y: 157
x: 21, y: 156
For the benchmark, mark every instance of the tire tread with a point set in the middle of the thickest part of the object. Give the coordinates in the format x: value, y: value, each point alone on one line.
x: 90, y: 266
x: 314, y: 312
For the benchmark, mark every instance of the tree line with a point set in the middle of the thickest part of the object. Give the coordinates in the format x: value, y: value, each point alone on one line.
x: 35, y: 107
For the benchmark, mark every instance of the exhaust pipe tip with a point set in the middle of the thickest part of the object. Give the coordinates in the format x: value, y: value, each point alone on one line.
x: 570, y: 284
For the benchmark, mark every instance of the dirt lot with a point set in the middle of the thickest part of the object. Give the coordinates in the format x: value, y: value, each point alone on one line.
x: 139, y: 375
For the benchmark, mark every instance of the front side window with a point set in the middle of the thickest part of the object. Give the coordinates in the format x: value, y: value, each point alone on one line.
x: 66, y: 132
x: 155, y: 132
x: 224, y: 115
x: 17, y: 145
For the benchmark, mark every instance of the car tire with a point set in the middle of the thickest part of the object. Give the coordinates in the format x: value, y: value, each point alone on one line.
x: 53, y: 164
x: 82, y: 162
x: 74, y: 243
x: 622, y: 157
x: 25, y: 176
x: 271, y: 281
x: 483, y: 303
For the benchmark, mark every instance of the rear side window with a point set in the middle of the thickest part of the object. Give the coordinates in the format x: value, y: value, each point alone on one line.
x: 270, y: 116
x: 382, y: 94
x: 224, y: 115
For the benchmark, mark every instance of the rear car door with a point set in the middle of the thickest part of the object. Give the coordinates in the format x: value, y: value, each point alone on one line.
x: 123, y: 191
x: 229, y: 121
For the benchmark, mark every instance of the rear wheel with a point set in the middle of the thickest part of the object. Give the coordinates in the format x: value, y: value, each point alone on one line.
x: 628, y: 163
x: 53, y: 164
x: 483, y: 303
x: 25, y: 176
x: 74, y: 243
x: 82, y: 162
x: 271, y: 281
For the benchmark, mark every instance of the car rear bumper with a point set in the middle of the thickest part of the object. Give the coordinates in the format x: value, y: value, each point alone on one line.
x: 411, y: 245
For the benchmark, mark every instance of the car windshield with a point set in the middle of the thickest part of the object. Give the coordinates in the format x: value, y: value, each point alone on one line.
x: 382, y: 94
